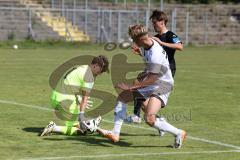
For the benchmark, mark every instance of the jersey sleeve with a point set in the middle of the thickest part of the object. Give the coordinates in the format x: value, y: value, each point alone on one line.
x: 174, y: 38
x: 88, y: 81
x: 87, y: 86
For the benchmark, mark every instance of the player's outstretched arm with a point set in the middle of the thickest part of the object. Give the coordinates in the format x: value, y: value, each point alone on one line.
x: 177, y: 46
x: 135, y: 49
x: 84, y: 101
x: 152, y: 78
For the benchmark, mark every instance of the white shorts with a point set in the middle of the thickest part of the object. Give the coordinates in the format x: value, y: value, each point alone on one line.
x: 160, y: 91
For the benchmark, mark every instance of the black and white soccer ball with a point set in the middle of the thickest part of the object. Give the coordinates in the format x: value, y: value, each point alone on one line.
x: 91, y: 125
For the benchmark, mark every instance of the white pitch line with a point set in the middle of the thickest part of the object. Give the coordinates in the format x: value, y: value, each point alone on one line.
x: 25, y: 105
x: 213, y: 142
x: 134, y: 126
x: 188, y: 137
x: 133, y: 154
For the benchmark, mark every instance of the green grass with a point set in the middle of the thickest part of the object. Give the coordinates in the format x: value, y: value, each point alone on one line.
x: 205, y: 102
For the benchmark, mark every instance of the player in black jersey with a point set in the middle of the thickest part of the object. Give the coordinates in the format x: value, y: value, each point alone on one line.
x: 170, y: 42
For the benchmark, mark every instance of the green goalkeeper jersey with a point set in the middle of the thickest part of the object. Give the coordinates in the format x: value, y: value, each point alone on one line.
x: 71, y: 85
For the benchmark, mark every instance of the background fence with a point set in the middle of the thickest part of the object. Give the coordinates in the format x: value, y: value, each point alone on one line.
x: 103, y: 21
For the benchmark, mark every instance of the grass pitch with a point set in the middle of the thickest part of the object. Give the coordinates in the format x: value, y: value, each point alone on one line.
x: 205, y: 102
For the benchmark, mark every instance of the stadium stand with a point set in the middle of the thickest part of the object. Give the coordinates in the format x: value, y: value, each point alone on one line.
x: 208, y: 24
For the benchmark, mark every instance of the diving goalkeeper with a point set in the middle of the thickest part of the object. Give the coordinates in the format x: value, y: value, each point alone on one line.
x: 75, y: 87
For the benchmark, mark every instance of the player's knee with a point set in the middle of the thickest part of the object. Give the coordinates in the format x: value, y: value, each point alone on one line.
x: 124, y: 97
x: 135, y: 82
x: 150, y: 119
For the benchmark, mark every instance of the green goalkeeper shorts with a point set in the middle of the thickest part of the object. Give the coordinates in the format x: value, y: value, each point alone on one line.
x: 66, y: 106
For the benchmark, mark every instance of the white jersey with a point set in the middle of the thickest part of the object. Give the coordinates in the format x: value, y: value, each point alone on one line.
x: 157, y: 62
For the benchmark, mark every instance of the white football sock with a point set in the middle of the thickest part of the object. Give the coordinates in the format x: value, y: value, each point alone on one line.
x: 162, y: 125
x: 120, y: 115
x: 117, y: 126
x: 57, y: 129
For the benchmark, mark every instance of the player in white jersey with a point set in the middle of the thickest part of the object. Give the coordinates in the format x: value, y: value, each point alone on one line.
x: 154, y: 88
x: 157, y: 63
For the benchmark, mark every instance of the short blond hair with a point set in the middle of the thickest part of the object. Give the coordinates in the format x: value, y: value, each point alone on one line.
x: 137, y: 31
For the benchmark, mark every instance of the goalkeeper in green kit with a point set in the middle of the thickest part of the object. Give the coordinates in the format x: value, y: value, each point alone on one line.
x: 69, y: 105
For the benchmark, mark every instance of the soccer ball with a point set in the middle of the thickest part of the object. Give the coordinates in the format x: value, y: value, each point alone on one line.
x: 125, y: 45
x: 91, y: 125
x: 15, y: 46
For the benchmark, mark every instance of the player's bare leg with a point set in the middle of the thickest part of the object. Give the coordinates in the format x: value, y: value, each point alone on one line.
x: 144, y: 109
x: 151, y: 110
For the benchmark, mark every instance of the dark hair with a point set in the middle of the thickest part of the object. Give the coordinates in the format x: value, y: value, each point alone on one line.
x: 159, y: 16
x: 102, y: 61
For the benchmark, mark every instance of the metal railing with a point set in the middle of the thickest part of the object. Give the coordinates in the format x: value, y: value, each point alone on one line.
x: 103, y: 25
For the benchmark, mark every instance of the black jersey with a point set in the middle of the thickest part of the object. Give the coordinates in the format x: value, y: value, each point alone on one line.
x: 170, y: 37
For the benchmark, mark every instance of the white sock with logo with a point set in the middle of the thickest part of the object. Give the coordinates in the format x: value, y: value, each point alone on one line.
x: 120, y: 115
x: 162, y: 125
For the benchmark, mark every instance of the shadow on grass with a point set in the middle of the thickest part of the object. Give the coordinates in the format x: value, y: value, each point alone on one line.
x: 96, y: 140
x: 92, y: 139
x: 37, y: 130
x: 139, y: 134
x: 149, y: 146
